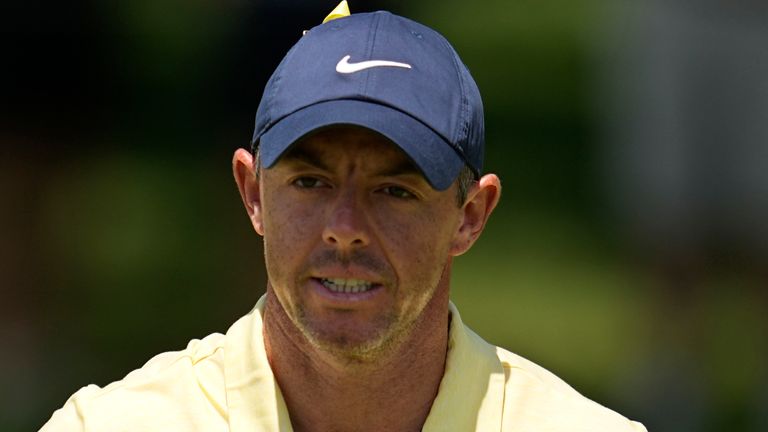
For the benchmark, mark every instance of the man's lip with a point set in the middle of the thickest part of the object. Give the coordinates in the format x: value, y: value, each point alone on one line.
x: 344, y: 299
x: 373, y: 283
x: 357, y: 274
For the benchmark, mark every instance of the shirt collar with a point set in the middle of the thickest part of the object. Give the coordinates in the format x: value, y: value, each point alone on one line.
x: 253, y: 396
x: 471, y: 394
x: 470, y: 397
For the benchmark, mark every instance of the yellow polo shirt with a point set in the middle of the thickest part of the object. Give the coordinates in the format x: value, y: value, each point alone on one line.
x: 224, y: 383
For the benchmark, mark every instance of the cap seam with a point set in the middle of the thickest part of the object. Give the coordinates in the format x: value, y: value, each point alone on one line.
x: 464, y: 106
x: 369, y: 52
x: 276, y: 79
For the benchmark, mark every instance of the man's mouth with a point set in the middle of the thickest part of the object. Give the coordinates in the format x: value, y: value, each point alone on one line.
x: 346, y: 285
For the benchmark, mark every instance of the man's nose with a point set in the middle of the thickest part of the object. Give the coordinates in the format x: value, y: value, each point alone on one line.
x: 347, y: 226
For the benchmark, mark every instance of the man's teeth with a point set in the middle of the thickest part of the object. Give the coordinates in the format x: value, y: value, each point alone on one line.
x: 346, y: 285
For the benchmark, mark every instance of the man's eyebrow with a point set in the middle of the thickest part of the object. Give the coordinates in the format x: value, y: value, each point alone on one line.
x: 302, y: 155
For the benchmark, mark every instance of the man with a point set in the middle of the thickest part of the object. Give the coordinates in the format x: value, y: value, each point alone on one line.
x: 364, y: 182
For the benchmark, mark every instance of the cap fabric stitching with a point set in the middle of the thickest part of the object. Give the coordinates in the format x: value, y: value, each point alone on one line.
x: 369, y: 53
x: 461, y: 133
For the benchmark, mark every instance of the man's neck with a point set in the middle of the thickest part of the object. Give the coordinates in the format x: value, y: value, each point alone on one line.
x: 394, y: 392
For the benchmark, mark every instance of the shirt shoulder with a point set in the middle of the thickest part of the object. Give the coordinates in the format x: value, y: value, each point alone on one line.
x: 180, y: 390
x: 536, y: 399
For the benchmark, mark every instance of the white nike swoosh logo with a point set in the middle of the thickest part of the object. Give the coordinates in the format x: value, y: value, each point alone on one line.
x: 345, y: 67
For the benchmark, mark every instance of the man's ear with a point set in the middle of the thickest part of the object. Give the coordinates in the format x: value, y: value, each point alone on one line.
x: 248, y: 184
x: 481, y: 200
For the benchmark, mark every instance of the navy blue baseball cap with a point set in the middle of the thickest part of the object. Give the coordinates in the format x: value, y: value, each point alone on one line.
x: 385, y: 73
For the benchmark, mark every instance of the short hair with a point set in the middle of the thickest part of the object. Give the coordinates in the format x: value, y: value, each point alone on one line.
x: 464, y: 180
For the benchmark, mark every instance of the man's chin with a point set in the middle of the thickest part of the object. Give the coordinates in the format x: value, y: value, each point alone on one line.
x: 357, y: 346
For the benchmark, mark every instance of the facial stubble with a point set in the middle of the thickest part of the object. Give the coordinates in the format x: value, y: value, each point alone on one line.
x: 393, y: 328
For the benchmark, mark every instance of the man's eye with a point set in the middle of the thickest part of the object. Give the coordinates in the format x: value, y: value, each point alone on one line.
x: 308, y: 182
x: 398, y: 192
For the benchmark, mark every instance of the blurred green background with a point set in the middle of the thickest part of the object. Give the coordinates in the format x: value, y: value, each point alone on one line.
x: 122, y: 234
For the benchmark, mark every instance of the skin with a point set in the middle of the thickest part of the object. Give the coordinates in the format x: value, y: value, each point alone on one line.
x: 347, y: 203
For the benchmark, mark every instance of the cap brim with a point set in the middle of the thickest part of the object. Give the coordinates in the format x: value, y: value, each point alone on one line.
x: 436, y: 159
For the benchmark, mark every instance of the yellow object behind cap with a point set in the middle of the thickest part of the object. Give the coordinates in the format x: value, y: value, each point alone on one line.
x: 340, y: 11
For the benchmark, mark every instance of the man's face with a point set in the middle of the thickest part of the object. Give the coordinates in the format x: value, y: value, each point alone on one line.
x: 356, y: 241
